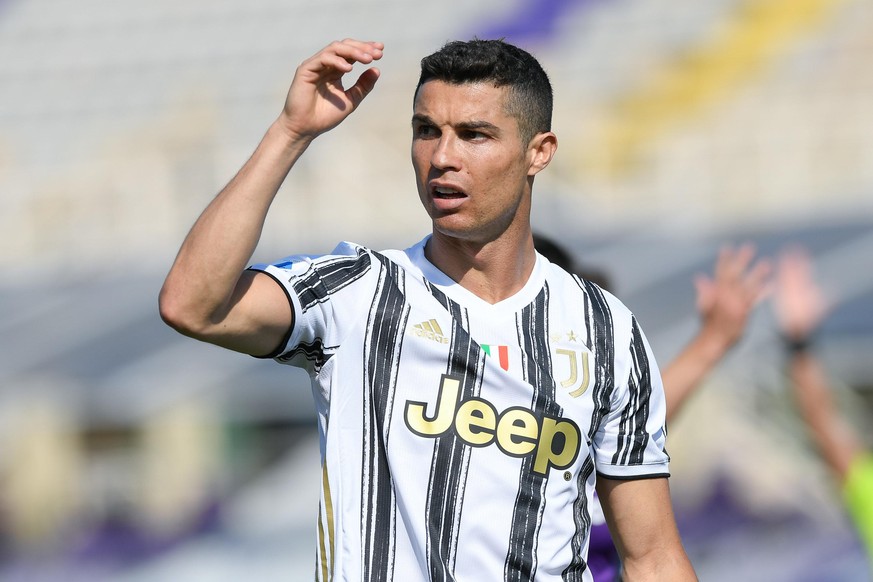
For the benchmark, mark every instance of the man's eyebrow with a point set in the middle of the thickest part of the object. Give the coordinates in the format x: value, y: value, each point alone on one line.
x: 465, y: 125
x: 476, y: 124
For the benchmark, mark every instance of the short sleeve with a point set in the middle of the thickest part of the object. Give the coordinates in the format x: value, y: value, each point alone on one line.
x: 325, y: 293
x: 630, y: 441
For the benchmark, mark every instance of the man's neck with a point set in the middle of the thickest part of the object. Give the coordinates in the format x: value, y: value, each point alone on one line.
x: 492, y: 271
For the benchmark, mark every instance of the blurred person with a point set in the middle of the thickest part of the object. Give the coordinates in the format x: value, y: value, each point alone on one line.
x: 801, y: 306
x: 467, y: 390
x: 559, y: 255
x: 41, y: 475
x: 724, y: 303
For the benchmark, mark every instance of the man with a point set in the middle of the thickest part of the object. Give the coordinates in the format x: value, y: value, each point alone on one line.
x: 801, y: 308
x: 469, y: 393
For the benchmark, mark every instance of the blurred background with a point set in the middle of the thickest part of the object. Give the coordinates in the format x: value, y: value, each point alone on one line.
x: 128, y: 452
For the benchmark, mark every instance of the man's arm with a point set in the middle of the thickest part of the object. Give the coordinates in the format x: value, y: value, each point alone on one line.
x: 207, y: 294
x: 724, y: 303
x: 640, y: 517
x: 800, y: 308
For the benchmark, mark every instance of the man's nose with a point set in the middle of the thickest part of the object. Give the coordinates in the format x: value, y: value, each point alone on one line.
x: 445, y: 155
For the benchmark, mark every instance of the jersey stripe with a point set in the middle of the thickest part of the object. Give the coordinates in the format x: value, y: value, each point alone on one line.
x: 633, y: 435
x: 582, y: 518
x: 532, y: 326
x: 448, y: 476
x: 314, y: 352
x: 382, y: 349
x: 319, y: 281
x: 324, y: 561
x: 600, y: 340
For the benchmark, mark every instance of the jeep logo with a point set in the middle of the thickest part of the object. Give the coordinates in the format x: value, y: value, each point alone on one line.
x: 518, y: 432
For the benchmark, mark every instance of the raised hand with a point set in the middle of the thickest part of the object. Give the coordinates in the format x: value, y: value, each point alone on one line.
x: 208, y: 294
x: 800, y: 303
x: 725, y: 301
x: 800, y: 306
x: 317, y: 101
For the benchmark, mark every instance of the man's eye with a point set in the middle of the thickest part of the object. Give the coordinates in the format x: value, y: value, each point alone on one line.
x: 425, y: 131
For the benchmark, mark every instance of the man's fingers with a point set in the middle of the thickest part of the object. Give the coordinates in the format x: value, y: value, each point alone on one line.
x: 758, y: 280
x: 363, y: 86
x: 725, y: 264
x: 340, y: 56
x: 737, y: 260
x: 356, y: 51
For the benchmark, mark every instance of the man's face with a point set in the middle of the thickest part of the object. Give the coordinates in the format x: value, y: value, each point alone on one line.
x: 471, y: 167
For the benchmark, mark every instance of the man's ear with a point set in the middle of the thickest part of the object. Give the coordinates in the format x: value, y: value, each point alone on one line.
x: 542, y: 148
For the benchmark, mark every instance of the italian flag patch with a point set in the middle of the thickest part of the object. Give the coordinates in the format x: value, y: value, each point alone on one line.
x: 500, y: 352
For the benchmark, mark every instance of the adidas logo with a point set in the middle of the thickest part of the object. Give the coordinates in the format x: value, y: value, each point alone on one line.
x: 430, y: 330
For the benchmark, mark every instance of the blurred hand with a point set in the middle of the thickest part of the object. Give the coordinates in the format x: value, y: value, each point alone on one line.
x: 316, y: 101
x: 725, y: 301
x: 800, y: 304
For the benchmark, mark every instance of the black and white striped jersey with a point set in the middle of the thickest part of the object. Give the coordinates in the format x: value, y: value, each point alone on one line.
x: 460, y: 440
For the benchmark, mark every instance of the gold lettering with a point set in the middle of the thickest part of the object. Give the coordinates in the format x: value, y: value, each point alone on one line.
x: 447, y: 402
x: 475, y: 422
x: 546, y: 454
x: 517, y: 432
x: 554, y: 442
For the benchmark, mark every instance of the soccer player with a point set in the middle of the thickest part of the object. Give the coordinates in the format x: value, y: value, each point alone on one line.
x: 469, y: 393
x: 800, y: 308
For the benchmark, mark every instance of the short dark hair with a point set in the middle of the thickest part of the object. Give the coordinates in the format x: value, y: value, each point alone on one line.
x: 502, y: 64
x: 560, y: 256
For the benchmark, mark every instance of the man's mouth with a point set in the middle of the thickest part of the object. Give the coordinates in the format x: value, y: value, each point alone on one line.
x: 447, y: 193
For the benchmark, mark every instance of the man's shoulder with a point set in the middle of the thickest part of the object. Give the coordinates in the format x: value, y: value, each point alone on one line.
x: 560, y: 278
x: 409, y: 259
